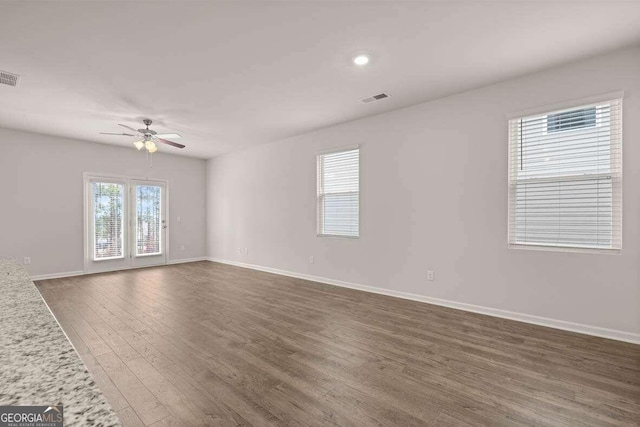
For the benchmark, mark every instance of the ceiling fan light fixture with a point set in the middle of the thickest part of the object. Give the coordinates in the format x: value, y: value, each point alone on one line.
x: 149, y: 137
x: 361, y: 60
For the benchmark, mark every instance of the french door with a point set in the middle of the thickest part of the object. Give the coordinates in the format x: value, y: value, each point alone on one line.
x: 125, y: 222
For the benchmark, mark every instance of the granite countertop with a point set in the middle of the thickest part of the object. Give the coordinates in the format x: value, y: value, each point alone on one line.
x: 38, y: 364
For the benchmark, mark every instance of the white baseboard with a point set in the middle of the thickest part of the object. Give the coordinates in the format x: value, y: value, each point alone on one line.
x: 182, y: 261
x: 81, y: 273
x: 56, y: 275
x: 505, y: 314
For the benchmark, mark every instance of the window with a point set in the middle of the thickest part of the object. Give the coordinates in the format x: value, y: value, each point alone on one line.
x: 574, y: 119
x: 565, y: 178
x: 339, y: 193
x: 148, y: 202
x: 125, y: 222
x: 108, y: 201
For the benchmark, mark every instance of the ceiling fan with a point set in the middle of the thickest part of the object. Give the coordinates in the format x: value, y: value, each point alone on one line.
x: 149, y: 137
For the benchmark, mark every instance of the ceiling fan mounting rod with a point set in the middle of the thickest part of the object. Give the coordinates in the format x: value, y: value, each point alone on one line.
x: 147, y: 131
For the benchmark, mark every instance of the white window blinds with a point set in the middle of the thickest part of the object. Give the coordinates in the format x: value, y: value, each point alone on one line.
x: 108, y: 206
x: 565, y: 177
x: 339, y: 193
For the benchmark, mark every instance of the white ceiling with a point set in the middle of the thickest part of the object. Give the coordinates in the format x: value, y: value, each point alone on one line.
x: 228, y: 75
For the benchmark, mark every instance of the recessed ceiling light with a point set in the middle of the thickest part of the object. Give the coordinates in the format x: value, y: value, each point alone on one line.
x: 361, y: 60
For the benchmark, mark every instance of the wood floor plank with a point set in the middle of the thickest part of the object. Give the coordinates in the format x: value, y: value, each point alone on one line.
x: 143, y: 402
x: 111, y: 392
x: 209, y: 344
x: 129, y: 418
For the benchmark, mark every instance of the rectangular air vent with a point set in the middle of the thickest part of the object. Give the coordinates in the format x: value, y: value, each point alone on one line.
x: 9, y: 79
x: 374, y: 98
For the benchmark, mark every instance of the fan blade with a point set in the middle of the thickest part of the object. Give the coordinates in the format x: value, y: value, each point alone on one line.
x: 175, y: 144
x: 128, y: 127
x: 168, y: 135
x: 121, y: 134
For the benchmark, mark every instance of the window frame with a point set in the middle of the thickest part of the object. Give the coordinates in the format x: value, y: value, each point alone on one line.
x: 104, y: 265
x: 320, y: 195
x: 134, y: 227
x: 124, y: 220
x: 512, y: 157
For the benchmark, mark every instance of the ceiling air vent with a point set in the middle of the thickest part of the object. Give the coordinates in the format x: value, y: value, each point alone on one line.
x: 9, y: 79
x: 374, y: 98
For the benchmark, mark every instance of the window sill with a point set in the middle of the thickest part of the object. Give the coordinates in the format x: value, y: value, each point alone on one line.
x: 339, y: 236
x: 107, y: 258
x: 569, y: 249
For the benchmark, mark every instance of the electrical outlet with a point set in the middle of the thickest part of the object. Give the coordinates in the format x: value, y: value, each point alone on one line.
x: 239, y: 251
x: 182, y: 247
x: 246, y: 251
x: 179, y: 219
x: 27, y: 260
x: 311, y: 260
x: 430, y: 276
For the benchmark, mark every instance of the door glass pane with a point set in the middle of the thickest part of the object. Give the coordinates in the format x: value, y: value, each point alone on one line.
x: 108, y: 201
x: 148, y: 221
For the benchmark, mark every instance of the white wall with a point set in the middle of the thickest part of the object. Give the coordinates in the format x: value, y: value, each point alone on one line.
x: 434, y: 196
x: 41, y: 185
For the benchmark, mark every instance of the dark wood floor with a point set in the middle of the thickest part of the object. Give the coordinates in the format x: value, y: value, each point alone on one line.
x: 210, y: 344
